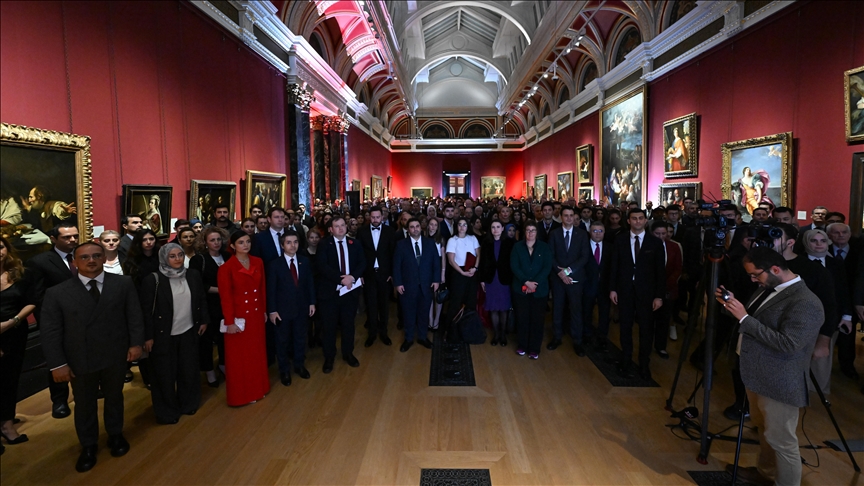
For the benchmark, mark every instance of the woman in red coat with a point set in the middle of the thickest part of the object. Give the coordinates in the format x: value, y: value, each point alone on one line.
x: 241, y: 290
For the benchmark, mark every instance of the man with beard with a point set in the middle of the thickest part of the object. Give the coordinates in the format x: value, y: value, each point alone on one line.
x: 221, y: 219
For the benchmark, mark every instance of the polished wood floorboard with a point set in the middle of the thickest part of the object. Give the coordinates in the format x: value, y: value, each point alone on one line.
x: 552, y: 421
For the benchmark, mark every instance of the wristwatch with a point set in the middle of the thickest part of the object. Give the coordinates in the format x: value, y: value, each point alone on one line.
x: 17, y: 320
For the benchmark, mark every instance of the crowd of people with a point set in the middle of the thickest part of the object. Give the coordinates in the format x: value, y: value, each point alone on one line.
x: 278, y: 285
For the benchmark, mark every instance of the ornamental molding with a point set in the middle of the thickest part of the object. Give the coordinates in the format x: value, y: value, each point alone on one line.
x: 299, y: 96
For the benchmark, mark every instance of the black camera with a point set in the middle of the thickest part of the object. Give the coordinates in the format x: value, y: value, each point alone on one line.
x: 763, y: 234
x: 716, y: 226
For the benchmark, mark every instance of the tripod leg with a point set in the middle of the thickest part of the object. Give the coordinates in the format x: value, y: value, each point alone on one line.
x: 692, y: 323
x: 738, y: 445
x: 827, y: 405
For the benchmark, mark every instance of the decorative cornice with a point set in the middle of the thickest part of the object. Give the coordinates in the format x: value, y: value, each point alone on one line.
x: 299, y: 96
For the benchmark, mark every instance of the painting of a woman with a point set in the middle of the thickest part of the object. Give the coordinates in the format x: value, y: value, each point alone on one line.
x: 154, y: 217
x: 753, y: 189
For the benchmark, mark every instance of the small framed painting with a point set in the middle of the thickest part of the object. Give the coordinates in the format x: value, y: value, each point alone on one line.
x: 680, y: 150
x: 585, y: 163
x: 585, y: 193
x: 676, y: 193
x: 152, y: 203
x: 565, y: 185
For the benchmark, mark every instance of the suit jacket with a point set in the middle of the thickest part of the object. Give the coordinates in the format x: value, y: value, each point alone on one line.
x: 576, y: 257
x: 648, y: 273
x: 674, y: 267
x: 86, y: 335
x: 330, y: 275
x: 598, y: 275
x: 47, y: 270
x: 384, y: 253
x: 531, y: 267
x: 488, y: 264
x: 264, y: 247
x: 123, y: 248
x: 301, y: 233
x: 158, y: 318
x: 777, y: 343
x: 446, y: 234
x: 679, y: 232
x: 542, y: 234
x: 853, y: 264
x: 407, y: 272
x: 206, y: 265
x: 283, y: 296
x: 818, y: 279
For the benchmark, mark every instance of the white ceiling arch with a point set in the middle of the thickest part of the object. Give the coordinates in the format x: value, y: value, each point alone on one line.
x: 498, y: 8
x: 465, y: 54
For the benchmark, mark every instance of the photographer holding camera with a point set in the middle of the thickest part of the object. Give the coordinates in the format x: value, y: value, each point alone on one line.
x: 777, y: 334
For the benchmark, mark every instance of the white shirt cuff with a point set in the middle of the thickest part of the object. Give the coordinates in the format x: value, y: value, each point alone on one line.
x: 57, y: 368
x: 742, y: 319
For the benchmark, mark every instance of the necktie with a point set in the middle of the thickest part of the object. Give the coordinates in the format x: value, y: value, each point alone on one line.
x: 342, y: 256
x: 567, y: 240
x: 294, y: 272
x: 759, y: 300
x: 597, y: 252
x: 71, y: 267
x: 821, y: 261
x: 279, y: 246
x: 94, y: 290
x: 840, y: 254
x: 636, y: 249
x: 417, y: 251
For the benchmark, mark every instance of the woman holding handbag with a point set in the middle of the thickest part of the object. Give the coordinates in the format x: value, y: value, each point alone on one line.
x: 463, y: 256
x: 210, y: 257
x: 531, y: 262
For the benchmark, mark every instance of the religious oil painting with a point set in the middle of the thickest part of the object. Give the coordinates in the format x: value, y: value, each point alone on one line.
x: 152, y: 204
x: 539, y: 185
x: 492, y: 186
x: 585, y: 193
x: 585, y: 163
x: 854, y: 94
x: 265, y: 189
x: 758, y: 170
x: 680, y: 151
x: 205, y: 196
x: 668, y: 194
x: 622, y: 155
x: 377, y: 187
x: 565, y: 185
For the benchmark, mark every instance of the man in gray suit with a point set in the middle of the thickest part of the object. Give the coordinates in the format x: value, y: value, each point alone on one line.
x: 777, y: 334
x: 91, y: 327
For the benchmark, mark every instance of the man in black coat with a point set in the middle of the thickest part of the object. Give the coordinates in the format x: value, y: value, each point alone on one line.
x: 290, y: 302
x: 570, y: 255
x: 416, y: 275
x: 850, y: 251
x: 91, y: 327
x: 131, y: 223
x: 51, y: 268
x: 547, y: 224
x: 597, y: 286
x: 637, y: 287
x: 378, y: 246
x: 341, y: 264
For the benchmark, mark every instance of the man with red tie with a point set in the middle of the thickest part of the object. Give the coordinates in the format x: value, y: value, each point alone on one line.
x: 674, y: 265
x: 597, y: 286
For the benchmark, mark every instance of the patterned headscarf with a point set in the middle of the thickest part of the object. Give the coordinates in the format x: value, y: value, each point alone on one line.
x: 167, y: 269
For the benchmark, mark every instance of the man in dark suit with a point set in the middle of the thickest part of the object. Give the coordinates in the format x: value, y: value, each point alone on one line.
x: 51, y: 268
x: 585, y: 215
x: 416, y: 275
x: 777, y: 334
x: 91, y: 327
x: 340, y: 265
x: 637, y: 287
x: 818, y: 217
x: 290, y: 302
x: 597, y: 286
x: 548, y: 224
x: 448, y: 225
x: 265, y: 244
x: 131, y: 223
x: 850, y: 252
x: 291, y: 224
x: 378, y: 245
x: 674, y: 264
x: 401, y: 231
x: 570, y: 255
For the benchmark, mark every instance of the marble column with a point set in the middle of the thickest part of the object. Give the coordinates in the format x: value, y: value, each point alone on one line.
x: 299, y: 164
x: 337, y: 131
x: 320, y: 160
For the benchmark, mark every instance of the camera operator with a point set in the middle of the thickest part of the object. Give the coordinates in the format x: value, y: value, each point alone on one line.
x: 777, y: 334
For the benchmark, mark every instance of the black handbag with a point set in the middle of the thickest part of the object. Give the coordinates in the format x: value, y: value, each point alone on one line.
x: 468, y: 328
x: 442, y: 293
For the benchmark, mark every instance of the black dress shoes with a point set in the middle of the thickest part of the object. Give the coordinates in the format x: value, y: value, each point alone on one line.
x: 22, y: 438
x: 351, y: 360
x: 626, y: 370
x: 191, y: 412
x: 128, y: 377
x: 60, y: 410
x: 328, y: 365
x: 552, y: 346
x: 285, y: 378
x: 369, y: 341
x: 406, y: 345
x: 580, y: 351
x: 302, y: 372
x: 87, y: 459
x: 503, y: 342
x: 162, y: 421
x: 386, y: 340
x: 663, y: 353
x: 118, y: 444
x: 425, y: 343
x: 645, y: 373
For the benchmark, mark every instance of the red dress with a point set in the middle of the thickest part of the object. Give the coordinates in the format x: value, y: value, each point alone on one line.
x: 243, y: 295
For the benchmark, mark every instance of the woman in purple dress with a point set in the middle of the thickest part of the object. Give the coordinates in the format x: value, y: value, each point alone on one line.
x: 495, y: 279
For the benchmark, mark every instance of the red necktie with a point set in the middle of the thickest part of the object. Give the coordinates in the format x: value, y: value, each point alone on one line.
x: 597, y: 253
x: 294, y: 272
x: 72, y: 268
x: 342, y: 257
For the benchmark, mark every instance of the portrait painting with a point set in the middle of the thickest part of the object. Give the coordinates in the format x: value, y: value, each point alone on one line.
x: 265, y: 189
x: 355, y: 184
x: 152, y: 204
x: 676, y: 193
x: 758, y: 170
x: 45, y: 179
x: 389, y: 186
x: 585, y: 193
x: 679, y: 147
x: 421, y: 192
x: 585, y: 163
x: 565, y: 185
x: 622, y: 155
x: 539, y: 185
x: 492, y: 186
x: 377, y: 187
x: 550, y: 193
x: 854, y: 94
x: 205, y: 195
x: 367, y: 193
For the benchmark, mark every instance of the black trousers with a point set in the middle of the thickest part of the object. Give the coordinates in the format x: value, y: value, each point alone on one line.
x: 339, y: 313
x: 86, y: 387
x: 377, y: 292
x: 662, y: 321
x: 571, y: 296
x: 176, y: 386
x: 59, y: 391
x: 415, y: 308
x: 13, y: 343
x: 630, y: 309
x: 463, y: 291
x: 604, y: 305
x: 211, y: 337
x: 530, y: 317
x: 846, y: 347
x: 291, y: 341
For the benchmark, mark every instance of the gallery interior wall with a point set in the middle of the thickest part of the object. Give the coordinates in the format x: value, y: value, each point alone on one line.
x: 164, y: 95
x: 785, y: 74
x: 366, y: 157
x: 426, y: 170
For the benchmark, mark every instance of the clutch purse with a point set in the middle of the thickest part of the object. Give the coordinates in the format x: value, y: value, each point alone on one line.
x: 442, y: 293
x: 238, y: 321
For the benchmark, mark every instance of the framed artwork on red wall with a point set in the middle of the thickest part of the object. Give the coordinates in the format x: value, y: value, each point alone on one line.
x: 758, y: 170
x: 680, y: 150
x: 854, y: 93
x: 205, y: 195
x: 539, y: 185
x: 266, y: 189
x: 585, y: 193
x: 668, y: 194
x: 377, y: 187
x: 622, y: 140
x: 585, y: 163
x: 152, y: 203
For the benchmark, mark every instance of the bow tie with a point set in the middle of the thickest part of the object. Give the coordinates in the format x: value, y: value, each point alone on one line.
x: 376, y: 228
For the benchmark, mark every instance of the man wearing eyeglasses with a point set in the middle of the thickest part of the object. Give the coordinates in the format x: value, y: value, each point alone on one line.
x: 597, y: 287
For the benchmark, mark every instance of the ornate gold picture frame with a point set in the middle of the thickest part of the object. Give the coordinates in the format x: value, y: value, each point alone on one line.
x: 585, y: 163
x: 623, y: 128
x: 45, y: 178
x: 758, y: 170
x: 377, y: 187
x: 266, y: 189
x: 680, y: 147
x: 421, y: 192
x: 565, y: 185
x: 853, y: 93
x: 539, y: 185
x: 204, y: 195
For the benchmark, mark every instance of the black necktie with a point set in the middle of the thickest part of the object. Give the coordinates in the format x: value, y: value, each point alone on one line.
x: 279, y: 246
x: 417, y: 251
x: 636, y: 249
x: 94, y: 290
x: 567, y: 240
x: 840, y: 254
x: 69, y: 261
x: 759, y: 300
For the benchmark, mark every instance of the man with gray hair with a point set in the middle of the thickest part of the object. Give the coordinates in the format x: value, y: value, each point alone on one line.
x: 848, y: 250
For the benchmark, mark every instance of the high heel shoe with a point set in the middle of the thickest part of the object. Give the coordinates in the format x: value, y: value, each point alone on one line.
x: 494, y: 342
x: 17, y: 440
x: 503, y: 342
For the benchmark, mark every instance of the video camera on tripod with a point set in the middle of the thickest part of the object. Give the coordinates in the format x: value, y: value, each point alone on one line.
x: 763, y: 234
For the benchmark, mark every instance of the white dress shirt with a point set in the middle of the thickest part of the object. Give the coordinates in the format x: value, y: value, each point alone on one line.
x: 290, y: 259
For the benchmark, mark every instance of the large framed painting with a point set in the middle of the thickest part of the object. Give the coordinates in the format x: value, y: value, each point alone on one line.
x: 45, y: 178
x: 758, y: 170
x: 421, y: 192
x: 585, y: 163
x: 676, y: 193
x: 539, y: 185
x: 377, y: 187
x: 205, y: 195
x: 622, y: 143
x: 266, y: 189
x: 524, y: 188
x: 856, y: 199
x: 585, y: 193
x: 152, y: 204
x: 854, y: 94
x: 680, y: 150
x: 565, y: 185
x: 492, y: 186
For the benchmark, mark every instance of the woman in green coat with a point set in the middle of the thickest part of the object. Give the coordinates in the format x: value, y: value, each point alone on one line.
x: 531, y: 262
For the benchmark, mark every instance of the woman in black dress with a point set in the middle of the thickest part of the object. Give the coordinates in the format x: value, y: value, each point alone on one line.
x: 211, y: 255
x: 143, y: 256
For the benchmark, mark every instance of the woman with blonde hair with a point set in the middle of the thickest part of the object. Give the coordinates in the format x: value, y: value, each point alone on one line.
x: 110, y: 241
x: 211, y: 256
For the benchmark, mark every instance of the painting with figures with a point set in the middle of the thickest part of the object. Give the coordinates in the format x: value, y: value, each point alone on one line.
x: 622, y: 142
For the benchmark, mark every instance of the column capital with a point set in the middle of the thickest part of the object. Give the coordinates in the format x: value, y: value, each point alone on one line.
x: 336, y: 124
x: 318, y: 123
x: 300, y: 96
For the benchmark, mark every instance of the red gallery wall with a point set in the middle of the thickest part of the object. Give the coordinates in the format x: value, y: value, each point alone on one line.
x: 426, y: 170
x: 785, y: 74
x: 164, y: 95
x: 366, y: 157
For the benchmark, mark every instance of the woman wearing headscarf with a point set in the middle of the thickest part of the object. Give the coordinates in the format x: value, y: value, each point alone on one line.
x: 174, y: 304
